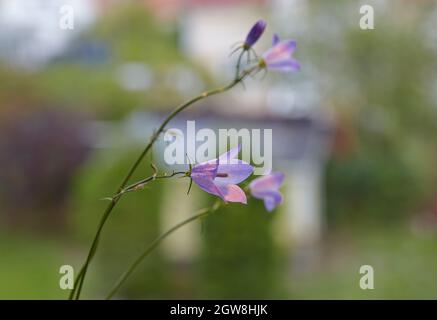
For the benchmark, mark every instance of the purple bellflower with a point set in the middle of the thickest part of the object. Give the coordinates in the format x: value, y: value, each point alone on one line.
x: 221, y: 176
x: 279, y: 56
x: 254, y: 34
x: 267, y: 188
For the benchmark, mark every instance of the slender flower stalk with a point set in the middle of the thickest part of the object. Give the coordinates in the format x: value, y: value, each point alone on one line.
x: 143, y: 182
x: 200, y: 214
x: 75, y: 293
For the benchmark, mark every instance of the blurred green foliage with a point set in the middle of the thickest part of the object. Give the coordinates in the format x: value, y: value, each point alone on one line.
x: 129, y: 34
x: 404, y: 264
x: 379, y: 85
x: 133, y: 225
x: 368, y: 189
x: 134, y: 35
x: 30, y: 265
x: 240, y: 259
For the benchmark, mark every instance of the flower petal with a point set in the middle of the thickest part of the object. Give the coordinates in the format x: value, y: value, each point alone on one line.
x: 203, y: 175
x: 206, y: 169
x: 208, y: 185
x: 267, y: 189
x: 233, y: 173
x: 231, y: 154
x: 284, y: 66
x: 272, y: 181
x: 272, y: 200
x: 281, y: 51
x: 233, y: 193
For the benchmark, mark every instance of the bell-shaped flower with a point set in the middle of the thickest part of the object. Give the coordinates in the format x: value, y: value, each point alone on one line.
x: 279, y: 56
x: 221, y: 176
x: 267, y: 188
x: 254, y: 34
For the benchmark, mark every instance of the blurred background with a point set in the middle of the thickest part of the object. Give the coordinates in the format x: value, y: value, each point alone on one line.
x: 354, y: 131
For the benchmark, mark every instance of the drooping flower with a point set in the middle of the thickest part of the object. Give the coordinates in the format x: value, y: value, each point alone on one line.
x: 254, y: 34
x: 267, y: 188
x: 279, y: 56
x: 221, y: 176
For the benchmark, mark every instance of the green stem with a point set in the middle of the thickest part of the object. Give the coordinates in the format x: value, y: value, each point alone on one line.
x: 82, y: 274
x: 140, y: 184
x: 200, y: 214
x: 79, y: 279
x: 237, y: 69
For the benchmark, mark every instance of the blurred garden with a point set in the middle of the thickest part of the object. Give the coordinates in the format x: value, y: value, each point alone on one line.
x: 65, y: 145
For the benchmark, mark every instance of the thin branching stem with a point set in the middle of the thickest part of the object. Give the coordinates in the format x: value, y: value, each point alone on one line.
x: 75, y: 293
x: 149, y: 249
x: 143, y: 182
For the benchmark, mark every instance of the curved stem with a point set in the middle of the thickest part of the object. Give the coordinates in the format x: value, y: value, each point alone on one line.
x: 81, y: 276
x: 114, y: 199
x: 201, y: 213
x: 79, y: 279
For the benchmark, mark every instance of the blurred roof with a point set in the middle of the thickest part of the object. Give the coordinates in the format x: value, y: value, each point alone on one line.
x: 294, y: 139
